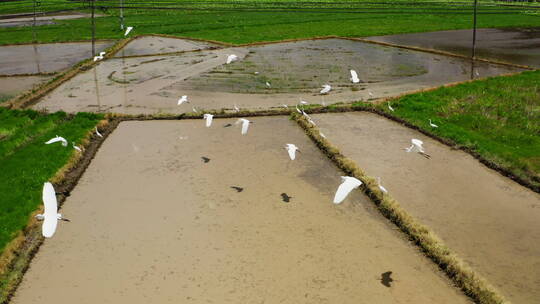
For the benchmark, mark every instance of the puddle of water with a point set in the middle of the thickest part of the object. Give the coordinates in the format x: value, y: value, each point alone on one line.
x: 157, y: 45
x: 519, y: 46
x: 294, y: 71
x: 45, y: 58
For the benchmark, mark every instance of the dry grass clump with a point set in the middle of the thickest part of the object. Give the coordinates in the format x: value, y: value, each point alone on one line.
x: 466, y: 278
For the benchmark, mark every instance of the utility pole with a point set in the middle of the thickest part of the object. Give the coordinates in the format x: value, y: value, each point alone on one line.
x: 473, y: 53
x: 122, y: 14
x: 93, y: 28
x: 34, y: 22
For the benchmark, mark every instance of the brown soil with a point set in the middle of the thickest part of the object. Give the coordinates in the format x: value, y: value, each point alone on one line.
x: 11, y: 86
x: 294, y: 70
x: 152, y: 223
x: 45, y: 58
x: 488, y: 220
x: 147, y: 45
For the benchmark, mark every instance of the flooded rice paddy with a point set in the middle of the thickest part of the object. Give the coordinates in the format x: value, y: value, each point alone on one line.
x: 148, y: 45
x: 45, y: 58
x: 490, y: 221
x: 151, y: 222
x: 293, y: 71
x: 519, y: 46
x: 12, y: 86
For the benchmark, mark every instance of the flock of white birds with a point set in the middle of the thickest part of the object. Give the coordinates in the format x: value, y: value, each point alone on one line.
x: 51, y: 216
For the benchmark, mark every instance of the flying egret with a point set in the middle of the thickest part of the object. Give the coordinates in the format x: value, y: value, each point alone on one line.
x: 383, y: 189
x: 291, y: 149
x: 208, y: 118
x: 245, y: 125
x: 182, y: 99
x: 416, y: 146
x: 390, y: 107
x: 57, y: 139
x: 268, y: 84
x: 326, y: 89
x: 50, y: 216
x: 432, y: 124
x: 231, y: 58
x: 97, y: 133
x: 303, y: 102
x: 129, y: 28
x: 76, y: 148
x: 354, y: 77
x: 236, y: 109
x: 348, y: 184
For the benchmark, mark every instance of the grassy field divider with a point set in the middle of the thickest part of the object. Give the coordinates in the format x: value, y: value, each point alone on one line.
x: 16, y: 256
x: 473, y: 284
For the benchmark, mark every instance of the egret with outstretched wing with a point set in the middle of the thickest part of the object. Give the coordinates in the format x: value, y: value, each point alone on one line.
x: 182, y: 99
x: 128, y: 30
x: 57, y: 139
x: 291, y: 149
x: 348, y: 184
x: 245, y: 125
x: 326, y: 88
x: 50, y: 216
x: 231, y: 58
x: 208, y: 118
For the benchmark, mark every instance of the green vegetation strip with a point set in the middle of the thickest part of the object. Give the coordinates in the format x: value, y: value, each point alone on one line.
x: 255, y: 26
x: 498, y: 118
x: 467, y: 279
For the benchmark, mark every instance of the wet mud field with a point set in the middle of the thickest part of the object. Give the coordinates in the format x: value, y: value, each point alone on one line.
x: 148, y: 45
x: 12, y: 86
x: 45, y: 58
x: 293, y: 71
x: 519, y: 46
x: 7, y: 21
x: 490, y: 221
x: 151, y: 222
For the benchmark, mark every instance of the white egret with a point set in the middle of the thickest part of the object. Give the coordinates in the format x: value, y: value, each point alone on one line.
x: 298, y: 110
x: 383, y: 189
x: 99, y: 57
x: 182, y: 99
x: 322, y: 135
x: 50, y: 216
x: 129, y: 28
x: 195, y: 110
x: 231, y: 58
x: 57, y: 139
x: 291, y: 149
x: 285, y: 106
x: 354, y: 77
x: 97, y: 133
x: 326, y: 89
x: 303, y: 102
x: 268, y: 84
x: 390, y: 107
x: 256, y: 73
x: 208, y: 118
x: 432, y: 124
x: 236, y: 109
x: 416, y: 146
x: 347, y: 185
x: 76, y: 148
x: 370, y: 94
x: 245, y: 125
x: 476, y: 73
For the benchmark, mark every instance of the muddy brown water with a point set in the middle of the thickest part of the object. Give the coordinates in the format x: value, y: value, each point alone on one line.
x: 490, y: 221
x: 148, y: 45
x: 46, y: 57
x: 294, y: 70
x: 12, y: 86
x: 519, y: 46
x: 152, y: 223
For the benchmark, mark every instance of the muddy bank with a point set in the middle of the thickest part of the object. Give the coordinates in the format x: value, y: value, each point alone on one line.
x: 488, y: 220
x: 519, y: 46
x: 148, y: 45
x: 294, y: 71
x: 152, y: 222
x: 45, y: 58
